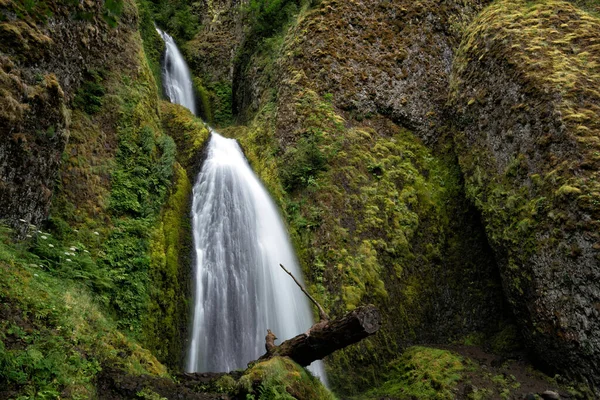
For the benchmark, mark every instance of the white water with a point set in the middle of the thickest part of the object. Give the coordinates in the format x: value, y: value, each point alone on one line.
x: 177, y: 80
x: 239, y: 238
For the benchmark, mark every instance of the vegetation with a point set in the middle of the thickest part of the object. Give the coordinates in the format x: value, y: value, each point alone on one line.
x: 422, y: 373
x: 281, y: 378
x: 396, y: 198
x: 55, y: 339
x: 89, y: 96
x: 538, y: 189
x: 178, y: 17
x: 153, y: 44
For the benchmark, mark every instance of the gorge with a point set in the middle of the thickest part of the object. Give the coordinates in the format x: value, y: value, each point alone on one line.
x: 435, y: 159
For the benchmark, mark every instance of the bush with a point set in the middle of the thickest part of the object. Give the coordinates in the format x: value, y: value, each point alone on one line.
x: 88, y: 97
x: 301, y: 164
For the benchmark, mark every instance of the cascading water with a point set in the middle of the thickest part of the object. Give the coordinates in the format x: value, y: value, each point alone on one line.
x: 239, y: 289
x: 177, y: 80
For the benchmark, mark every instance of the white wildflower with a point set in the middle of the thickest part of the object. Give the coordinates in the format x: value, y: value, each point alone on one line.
x: 68, y: 260
x: 73, y: 248
x: 44, y: 237
x: 22, y: 220
x: 96, y: 233
x: 36, y: 275
x: 50, y: 245
x: 28, y: 236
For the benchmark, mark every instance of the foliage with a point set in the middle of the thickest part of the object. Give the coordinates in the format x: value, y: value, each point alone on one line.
x: 265, y: 18
x: 301, y: 164
x: 54, y: 339
x: 112, y: 11
x: 89, y: 96
x: 188, y: 132
x: 282, y: 379
x: 422, y: 373
x: 176, y: 17
x: 142, y: 176
x: 153, y: 43
x: 170, y: 248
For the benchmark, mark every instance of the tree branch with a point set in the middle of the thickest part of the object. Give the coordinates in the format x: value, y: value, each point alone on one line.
x: 322, y: 314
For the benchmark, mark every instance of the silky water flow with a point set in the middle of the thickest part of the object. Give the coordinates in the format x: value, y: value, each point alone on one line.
x: 239, y: 240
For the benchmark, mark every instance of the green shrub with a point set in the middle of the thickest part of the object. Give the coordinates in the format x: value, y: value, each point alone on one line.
x: 89, y: 96
x: 421, y: 373
x: 301, y: 164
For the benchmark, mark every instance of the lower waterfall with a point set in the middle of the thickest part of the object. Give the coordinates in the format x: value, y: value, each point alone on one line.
x: 240, y: 290
x: 239, y: 240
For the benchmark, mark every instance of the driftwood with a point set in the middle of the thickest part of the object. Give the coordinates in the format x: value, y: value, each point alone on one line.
x: 327, y: 336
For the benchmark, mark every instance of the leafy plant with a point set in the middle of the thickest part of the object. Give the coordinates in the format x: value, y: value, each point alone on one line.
x: 301, y: 164
x: 89, y: 96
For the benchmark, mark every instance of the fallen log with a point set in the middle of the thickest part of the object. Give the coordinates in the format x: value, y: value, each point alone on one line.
x: 327, y: 336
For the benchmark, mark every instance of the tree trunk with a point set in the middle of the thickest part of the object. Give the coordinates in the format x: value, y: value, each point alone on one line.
x: 325, y: 337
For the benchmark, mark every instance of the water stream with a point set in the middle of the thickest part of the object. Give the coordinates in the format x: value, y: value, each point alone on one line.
x: 239, y: 240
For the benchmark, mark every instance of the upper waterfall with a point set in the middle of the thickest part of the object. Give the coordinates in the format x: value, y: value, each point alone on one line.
x: 177, y: 80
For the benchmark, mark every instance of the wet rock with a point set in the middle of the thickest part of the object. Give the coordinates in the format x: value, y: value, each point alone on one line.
x: 550, y: 395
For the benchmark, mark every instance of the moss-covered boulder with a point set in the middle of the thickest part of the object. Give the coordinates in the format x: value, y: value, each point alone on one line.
x: 280, y: 378
x: 190, y: 135
x: 525, y: 85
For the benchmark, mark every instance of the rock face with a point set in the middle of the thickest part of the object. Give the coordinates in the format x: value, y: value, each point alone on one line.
x: 384, y: 57
x: 46, y: 48
x: 525, y: 84
x: 377, y: 216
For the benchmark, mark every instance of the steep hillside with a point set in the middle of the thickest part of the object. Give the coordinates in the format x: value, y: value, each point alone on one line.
x: 84, y: 133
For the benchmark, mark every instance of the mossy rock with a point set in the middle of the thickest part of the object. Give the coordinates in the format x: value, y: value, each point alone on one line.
x: 422, y: 373
x: 525, y: 88
x: 281, y: 378
x: 372, y: 213
x: 190, y: 134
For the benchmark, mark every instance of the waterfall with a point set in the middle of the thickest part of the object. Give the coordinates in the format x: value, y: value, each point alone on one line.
x: 239, y: 240
x: 177, y: 80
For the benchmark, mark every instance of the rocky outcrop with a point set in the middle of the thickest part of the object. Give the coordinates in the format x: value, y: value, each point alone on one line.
x: 381, y: 57
x: 45, y: 51
x: 525, y: 85
x: 211, y: 55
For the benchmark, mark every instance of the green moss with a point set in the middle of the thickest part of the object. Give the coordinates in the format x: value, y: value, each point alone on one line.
x: 281, y: 378
x: 370, y: 228
x: 189, y: 133
x: 422, y: 373
x: 153, y: 44
x: 204, y: 95
x: 537, y: 210
x: 89, y: 96
x: 169, y: 251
